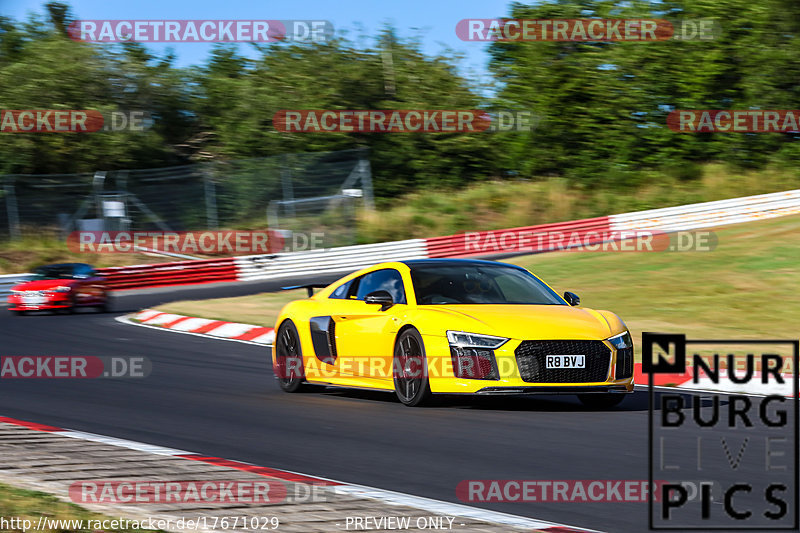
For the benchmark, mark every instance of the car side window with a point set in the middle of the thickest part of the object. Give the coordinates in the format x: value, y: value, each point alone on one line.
x: 342, y: 291
x: 85, y: 271
x: 387, y: 279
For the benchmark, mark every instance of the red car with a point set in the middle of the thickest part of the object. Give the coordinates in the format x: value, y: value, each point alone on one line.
x: 64, y: 286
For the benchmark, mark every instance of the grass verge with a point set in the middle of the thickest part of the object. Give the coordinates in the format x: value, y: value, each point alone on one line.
x: 32, y: 505
x: 260, y: 309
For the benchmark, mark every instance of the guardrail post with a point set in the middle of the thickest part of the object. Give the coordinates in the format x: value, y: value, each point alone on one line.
x: 11, y: 211
x: 286, y: 183
x: 366, y: 183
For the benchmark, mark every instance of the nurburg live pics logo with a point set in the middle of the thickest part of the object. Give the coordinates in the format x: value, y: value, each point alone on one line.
x: 743, y: 447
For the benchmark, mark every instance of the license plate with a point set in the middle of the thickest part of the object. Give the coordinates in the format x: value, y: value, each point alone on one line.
x: 33, y: 300
x: 565, y: 361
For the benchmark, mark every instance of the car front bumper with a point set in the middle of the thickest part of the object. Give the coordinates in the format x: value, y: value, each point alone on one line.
x: 558, y: 389
x: 16, y: 303
x: 443, y: 380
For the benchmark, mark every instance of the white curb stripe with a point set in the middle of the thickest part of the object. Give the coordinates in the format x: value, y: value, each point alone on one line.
x: 123, y: 319
x: 267, y: 338
x: 191, y: 324
x: 146, y: 314
x: 230, y: 329
x: 122, y: 443
x: 166, y: 318
x: 753, y: 386
x: 225, y: 331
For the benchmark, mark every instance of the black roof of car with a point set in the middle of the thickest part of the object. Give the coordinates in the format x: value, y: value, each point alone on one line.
x: 450, y: 262
x: 65, y: 265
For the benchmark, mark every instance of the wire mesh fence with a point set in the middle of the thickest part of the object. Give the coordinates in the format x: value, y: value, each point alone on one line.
x: 307, y: 192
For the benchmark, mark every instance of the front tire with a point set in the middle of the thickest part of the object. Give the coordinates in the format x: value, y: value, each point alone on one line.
x: 409, y: 369
x: 288, y: 366
x: 601, y: 401
x: 73, y: 305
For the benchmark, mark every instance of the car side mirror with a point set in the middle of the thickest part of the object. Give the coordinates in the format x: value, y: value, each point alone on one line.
x: 572, y: 298
x: 380, y: 297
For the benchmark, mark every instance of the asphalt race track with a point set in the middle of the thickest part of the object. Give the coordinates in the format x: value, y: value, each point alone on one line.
x: 219, y: 398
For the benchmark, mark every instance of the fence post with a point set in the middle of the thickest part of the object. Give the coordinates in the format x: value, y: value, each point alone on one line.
x: 11, y: 210
x: 286, y: 182
x: 212, y: 220
x: 366, y: 183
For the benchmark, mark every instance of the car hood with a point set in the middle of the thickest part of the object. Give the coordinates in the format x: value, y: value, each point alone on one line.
x: 528, y: 321
x: 42, y: 284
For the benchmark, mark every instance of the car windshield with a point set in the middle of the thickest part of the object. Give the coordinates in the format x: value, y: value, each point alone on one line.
x: 55, y: 272
x: 479, y: 284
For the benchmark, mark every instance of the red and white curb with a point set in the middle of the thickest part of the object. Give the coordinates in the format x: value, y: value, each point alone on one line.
x: 219, y: 329
x: 686, y: 381
x: 339, y: 487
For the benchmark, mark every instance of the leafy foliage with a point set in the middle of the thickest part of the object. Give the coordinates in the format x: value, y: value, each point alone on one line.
x: 604, y: 104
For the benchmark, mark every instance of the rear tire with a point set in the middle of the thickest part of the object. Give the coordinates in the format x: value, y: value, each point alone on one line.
x: 288, y: 365
x: 601, y: 401
x: 104, y: 307
x: 18, y: 313
x: 410, y: 369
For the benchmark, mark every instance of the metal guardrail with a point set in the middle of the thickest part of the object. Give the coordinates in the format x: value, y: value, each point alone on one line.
x: 330, y: 260
x: 349, y: 258
x: 9, y: 280
x: 513, y: 240
x: 168, y: 274
x: 663, y: 220
x: 710, y: 214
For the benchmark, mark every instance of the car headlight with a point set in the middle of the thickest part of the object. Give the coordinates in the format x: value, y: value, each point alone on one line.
x: 621, y: 341
x: 474, y: 340
x: 61, y: 289
x: 473, y: 354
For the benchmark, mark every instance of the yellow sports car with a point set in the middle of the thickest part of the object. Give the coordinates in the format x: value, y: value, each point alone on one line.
x: 452, y: 326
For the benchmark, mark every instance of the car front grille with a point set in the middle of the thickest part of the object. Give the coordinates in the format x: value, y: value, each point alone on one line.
x: 624, y: 363
x: 531, y: 361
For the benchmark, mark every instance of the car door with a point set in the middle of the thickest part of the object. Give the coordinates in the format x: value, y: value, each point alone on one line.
x: 326, y: 364
x: 97, y: 286
x: 365, y: 333
x: 86, y: 287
